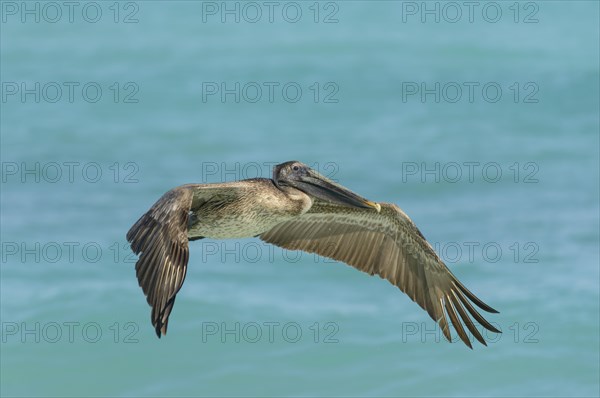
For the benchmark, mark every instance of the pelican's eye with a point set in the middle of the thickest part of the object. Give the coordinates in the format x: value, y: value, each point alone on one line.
x: 295, y: 167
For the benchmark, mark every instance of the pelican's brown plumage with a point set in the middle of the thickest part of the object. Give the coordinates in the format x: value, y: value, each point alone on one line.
x: 299, y: 209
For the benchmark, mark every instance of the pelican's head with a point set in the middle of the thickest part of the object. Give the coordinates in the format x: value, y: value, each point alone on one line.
x: 298, y: 175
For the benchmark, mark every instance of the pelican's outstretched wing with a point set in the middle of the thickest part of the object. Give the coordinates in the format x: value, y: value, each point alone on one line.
x: 160, y: 238
x: 390, y: 245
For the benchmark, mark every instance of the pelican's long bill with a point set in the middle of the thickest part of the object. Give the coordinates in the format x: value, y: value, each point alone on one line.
x: 323, y: 188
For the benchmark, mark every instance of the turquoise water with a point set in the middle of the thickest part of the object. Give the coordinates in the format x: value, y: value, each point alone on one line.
x: 255, y: 320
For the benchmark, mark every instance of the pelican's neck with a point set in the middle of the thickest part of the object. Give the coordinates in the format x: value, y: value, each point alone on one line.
x: 298, y: 199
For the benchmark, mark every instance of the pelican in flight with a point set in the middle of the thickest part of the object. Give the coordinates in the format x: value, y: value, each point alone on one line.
x: 298, y: 209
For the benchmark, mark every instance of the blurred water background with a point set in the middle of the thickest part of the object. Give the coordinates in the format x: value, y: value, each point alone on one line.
x: 482, y: 123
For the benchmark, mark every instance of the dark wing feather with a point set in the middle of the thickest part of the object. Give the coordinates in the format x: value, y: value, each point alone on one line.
x: 390, y: 245
x: 160, y: 238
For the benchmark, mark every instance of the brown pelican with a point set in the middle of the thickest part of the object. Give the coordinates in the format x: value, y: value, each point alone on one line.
x: 298, y: 209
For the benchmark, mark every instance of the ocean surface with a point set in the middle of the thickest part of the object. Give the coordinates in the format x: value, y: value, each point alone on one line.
x: 480, y: 120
